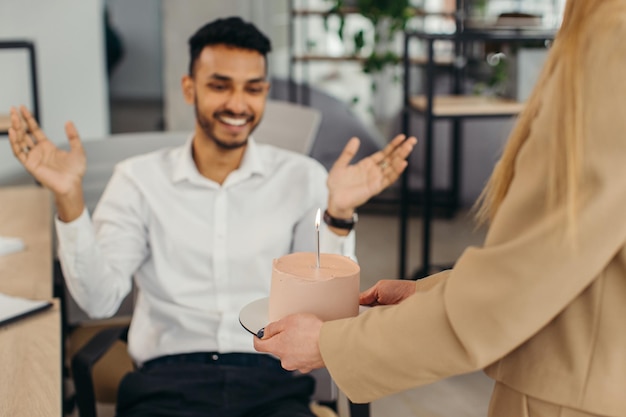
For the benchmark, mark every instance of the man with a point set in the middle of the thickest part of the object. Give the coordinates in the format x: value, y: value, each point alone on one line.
x: 197, y: 227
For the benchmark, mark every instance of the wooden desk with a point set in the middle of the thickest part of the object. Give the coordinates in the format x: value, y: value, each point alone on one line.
x: 5, y: 123
x: 26, y: 212
x: 30, y: 349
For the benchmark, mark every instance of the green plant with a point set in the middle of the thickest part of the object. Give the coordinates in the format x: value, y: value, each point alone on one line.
x: 388, y: 17
x: 480, y: 5
x: 495, y: 83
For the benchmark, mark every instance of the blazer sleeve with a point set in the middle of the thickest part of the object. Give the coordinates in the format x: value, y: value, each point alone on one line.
x: 498, y: 296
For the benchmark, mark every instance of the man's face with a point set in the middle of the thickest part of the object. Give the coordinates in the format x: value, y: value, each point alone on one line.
x: 228, y: 90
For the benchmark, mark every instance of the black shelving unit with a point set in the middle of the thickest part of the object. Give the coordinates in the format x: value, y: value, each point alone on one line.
x: 455, y: 107
x: 30, y: 48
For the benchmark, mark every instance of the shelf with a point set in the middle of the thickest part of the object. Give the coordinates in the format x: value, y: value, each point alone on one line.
x: 467, y: 106
x: 328, y: 58
x: 323, y: 12
x: 415, y: 12
x: 442, y: 62
x: 494, y: 34
x: 5, y: 123
x: 457, y: 107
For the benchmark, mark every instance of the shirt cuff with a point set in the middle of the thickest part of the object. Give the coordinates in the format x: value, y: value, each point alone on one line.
x: 75, y: 234
x: 332, y: 243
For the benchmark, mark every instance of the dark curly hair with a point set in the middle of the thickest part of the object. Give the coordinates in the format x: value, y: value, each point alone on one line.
x: 230, y: 31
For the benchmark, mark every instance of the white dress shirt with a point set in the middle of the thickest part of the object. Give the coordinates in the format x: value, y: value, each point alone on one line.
x: 198, y: 251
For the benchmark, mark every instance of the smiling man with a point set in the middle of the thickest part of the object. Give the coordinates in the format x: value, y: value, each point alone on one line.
x: 197, y: 227
x: 227, y: 85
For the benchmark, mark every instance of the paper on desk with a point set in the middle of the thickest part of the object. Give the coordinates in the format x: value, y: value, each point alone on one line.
x: 13, y: 308
x: 10, y: 245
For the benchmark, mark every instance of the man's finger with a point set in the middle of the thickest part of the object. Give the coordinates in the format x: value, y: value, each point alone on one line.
x: 19, y: 145
x: 22, y: 137
x: 393, y: 145
x: 72, y: 136
x: 15, y: 147
x: 348, y: 153
x: 32, y: 125
x: 404, y: 149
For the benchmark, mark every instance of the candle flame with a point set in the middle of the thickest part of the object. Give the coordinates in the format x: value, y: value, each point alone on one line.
x: 317, y: 220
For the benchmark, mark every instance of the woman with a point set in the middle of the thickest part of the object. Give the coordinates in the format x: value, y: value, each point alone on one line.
x: 541, y: 306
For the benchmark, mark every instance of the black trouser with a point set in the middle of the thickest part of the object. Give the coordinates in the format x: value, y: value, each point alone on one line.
x: 214, y: 385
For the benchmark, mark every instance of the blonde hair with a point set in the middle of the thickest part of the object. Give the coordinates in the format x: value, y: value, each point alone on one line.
x: 566, y: 137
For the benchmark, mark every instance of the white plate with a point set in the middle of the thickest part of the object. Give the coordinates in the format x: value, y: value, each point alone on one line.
x: 255, y: 316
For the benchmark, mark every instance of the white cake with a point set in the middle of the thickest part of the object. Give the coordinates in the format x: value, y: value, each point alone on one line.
x: 298, y: 286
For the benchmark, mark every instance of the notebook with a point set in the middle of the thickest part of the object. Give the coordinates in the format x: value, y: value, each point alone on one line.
x: 14, y: 308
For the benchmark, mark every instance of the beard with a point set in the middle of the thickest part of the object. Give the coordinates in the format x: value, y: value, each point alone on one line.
x: 208, y: 128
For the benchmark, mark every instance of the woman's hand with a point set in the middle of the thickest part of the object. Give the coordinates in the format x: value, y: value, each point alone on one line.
x: 294, y: 340
x: 387, y: 291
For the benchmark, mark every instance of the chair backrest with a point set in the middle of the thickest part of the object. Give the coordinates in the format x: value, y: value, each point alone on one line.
x: 289, y: 126
x: 104, y: 154
x: 286, y: 125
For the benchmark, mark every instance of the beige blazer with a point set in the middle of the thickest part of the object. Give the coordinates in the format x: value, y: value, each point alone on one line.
x: 539, y: 317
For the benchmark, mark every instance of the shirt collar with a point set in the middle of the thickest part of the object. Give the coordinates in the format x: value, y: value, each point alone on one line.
x: 185, y: 167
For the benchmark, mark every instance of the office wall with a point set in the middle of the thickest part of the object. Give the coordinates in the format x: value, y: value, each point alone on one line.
x: 139, y: 75
x: 180, y: 19
x: 68, y: 35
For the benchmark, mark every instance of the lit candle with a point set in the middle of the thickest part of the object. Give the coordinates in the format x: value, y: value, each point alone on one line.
x: 317, y: 232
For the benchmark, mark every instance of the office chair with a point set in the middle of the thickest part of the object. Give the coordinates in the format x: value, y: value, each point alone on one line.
x: 97, y: 348
x: 102, y: 155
